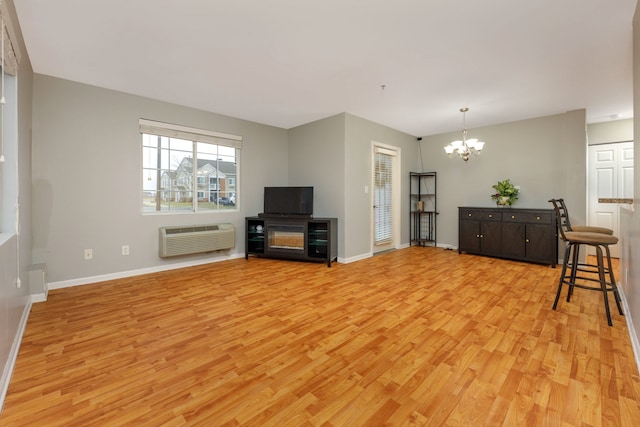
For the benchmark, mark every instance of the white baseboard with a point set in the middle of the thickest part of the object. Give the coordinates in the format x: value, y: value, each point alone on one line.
x: 13, y: 353
x: 403, y: 246
x: 42, y: 297
x: 355, y: 258
x: 131, y: 273
x: 633, y: 336
x: 448, y: 246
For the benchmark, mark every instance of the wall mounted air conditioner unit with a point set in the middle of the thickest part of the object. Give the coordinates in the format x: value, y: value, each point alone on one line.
x: 184, y: 240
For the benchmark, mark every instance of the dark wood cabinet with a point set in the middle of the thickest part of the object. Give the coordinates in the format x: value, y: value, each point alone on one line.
x: 480, y: 232
x: 304, y: 239
x: 520, y: 234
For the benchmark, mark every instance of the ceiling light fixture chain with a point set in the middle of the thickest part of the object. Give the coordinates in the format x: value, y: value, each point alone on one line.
x: 464, y: 148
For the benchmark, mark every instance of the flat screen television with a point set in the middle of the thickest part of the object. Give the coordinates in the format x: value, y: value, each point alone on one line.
x: 288, y: 201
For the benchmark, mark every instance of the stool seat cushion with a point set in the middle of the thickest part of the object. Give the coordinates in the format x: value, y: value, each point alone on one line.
x: 590, y: 238
x: 590, y: 229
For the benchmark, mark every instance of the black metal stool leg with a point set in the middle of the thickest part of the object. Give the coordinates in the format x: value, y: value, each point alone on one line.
x: 567, y: 251
x: 575, y: 264
x: 614, y: 285
x: 603, y: 283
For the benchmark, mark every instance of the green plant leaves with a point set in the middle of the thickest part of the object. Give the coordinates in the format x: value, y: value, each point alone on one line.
x: 506, y: 193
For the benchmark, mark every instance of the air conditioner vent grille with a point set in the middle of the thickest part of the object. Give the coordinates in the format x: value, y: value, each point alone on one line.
x: 182, y: 240
x: 194, y: 229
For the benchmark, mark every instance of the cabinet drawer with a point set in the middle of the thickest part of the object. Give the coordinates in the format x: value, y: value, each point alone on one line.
x: 480, y: 215
x: 530, y: 217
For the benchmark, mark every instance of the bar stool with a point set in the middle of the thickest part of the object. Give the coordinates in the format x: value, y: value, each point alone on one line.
x: 563, y: 216
x: 579, y: 271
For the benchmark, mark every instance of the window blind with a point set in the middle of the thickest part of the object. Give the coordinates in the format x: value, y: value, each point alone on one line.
x: 189, y: 133
x: 10, y: 54
x: 9, y: 57
x: 383, y: 162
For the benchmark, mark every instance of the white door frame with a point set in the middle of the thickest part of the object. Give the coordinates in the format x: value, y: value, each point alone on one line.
x: 395, y: 197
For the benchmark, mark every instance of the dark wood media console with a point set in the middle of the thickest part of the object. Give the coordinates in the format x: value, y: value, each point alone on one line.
x: 295, y: 238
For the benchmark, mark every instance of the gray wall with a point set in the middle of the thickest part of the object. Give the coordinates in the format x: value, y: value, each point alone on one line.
x: 545, y: 156
x: 316, y: 158
x: 630, y: 217
x: 86, y: 179
x: 606, y: 132
x: 334, y: 155
x: 359, y: 136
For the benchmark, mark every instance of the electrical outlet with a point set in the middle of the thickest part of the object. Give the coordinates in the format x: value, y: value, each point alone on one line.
x: 125, y: 249
x: 88, y: 254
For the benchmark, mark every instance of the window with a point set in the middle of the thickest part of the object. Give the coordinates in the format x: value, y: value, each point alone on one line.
x: 188, y: 170
x: 9, y: 182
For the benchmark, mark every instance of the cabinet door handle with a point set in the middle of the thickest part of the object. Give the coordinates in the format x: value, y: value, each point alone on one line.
x: 490, y: 216
x: 482, y: 235
x: 477, y: 236
x: 538, y: 218
x: 469, y: 215
x: 513, y: 217
x: 527, y: 240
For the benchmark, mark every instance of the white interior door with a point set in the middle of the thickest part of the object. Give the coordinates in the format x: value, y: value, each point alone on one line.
x: 610, y: 177
x: 385, y: 198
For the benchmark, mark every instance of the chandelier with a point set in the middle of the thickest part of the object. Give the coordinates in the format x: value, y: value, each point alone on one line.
x: 466, y: 147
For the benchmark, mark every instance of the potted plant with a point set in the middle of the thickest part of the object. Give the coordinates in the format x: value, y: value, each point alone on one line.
x: 506, y: 193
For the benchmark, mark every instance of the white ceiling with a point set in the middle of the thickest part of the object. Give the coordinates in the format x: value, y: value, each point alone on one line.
x: 290, y: 62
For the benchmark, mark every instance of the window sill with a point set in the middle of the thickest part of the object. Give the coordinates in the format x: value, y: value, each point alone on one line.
x: 5, y: 237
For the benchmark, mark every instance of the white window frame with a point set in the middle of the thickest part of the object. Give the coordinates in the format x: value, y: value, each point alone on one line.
x: 196, y: 136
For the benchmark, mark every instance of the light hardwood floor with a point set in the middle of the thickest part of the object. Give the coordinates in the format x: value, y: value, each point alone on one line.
x: 418, y: 336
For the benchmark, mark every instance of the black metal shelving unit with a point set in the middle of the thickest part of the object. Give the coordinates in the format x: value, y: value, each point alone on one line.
x: 423, y: 208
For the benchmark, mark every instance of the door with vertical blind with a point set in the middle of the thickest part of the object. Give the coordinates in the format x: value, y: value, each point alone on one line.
x: 385, y: 194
